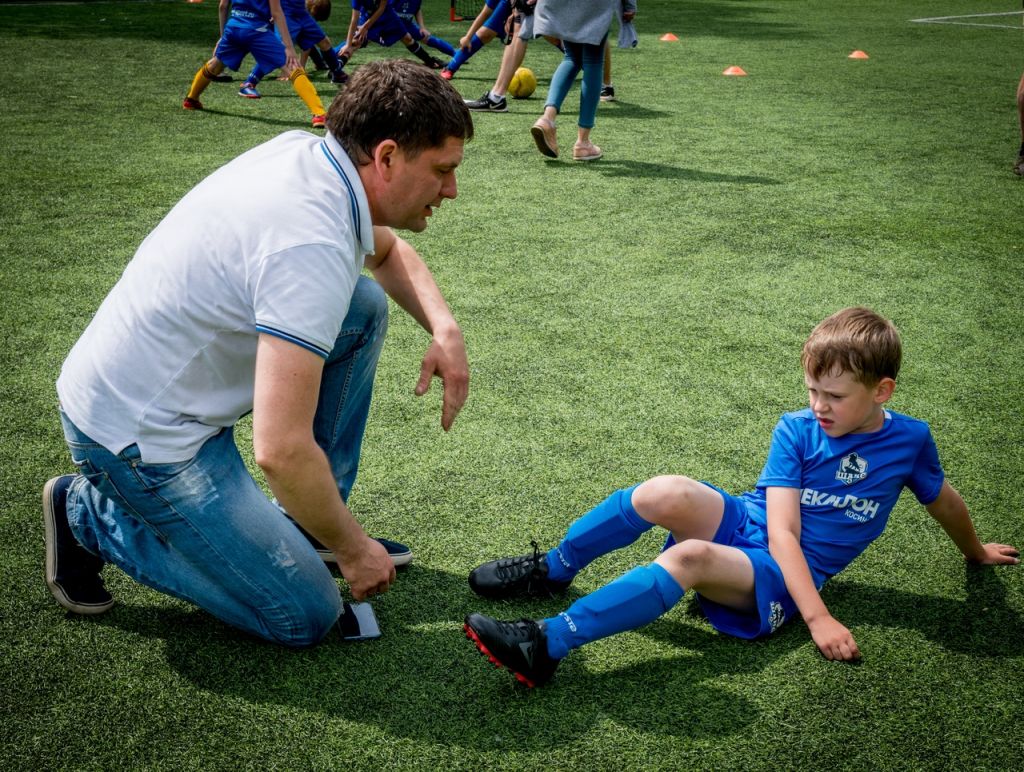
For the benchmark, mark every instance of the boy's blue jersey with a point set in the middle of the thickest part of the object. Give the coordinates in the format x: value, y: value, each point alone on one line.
x: 253, y: 11
x: 367, y: 7
x: 294, y: 9
x: 848, y: 485
x: 407, y: 9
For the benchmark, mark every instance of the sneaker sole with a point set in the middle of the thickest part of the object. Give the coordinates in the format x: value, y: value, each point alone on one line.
x: 50, y: 536
x: 542, y: 143
x: 399, y: 560
x: 471, y: 634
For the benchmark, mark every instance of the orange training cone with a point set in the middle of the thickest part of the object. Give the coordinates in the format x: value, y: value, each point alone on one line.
x: 668, y: 37
x: 734, y: 71
x: 858, y: 55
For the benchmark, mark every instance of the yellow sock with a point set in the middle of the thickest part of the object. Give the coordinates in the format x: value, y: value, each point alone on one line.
x: 202, y: 79
x: 307, y: 91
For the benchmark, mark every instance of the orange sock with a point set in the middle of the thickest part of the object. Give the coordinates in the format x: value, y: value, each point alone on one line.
x: 307, y: 91
x: 202, y: 79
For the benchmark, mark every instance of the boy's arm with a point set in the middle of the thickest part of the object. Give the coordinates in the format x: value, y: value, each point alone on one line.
x: 349, y: 44
x: 478, y: 22
x: 419, y: 21
x: 365, y: 28
x: 950, y: 511
x: 829, y: 635
x: 281, y: 25
x: 222, y: 11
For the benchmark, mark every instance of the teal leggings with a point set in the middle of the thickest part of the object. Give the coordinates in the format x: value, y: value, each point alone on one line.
x: 590, y: 59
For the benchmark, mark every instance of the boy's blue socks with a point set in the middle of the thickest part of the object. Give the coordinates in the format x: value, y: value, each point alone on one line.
x: 441, y: 45
x: 634, y: 599
x: 610, y: 525
x: 462, y: 55
x: 255, y: 76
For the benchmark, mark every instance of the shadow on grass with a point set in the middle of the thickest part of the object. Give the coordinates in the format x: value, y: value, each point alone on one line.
x: 424, y: 681
x: 612, y: 167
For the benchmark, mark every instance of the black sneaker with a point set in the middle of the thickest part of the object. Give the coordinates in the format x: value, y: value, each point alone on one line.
x: 484, y: 104
x: 400, y: 554
x: 608, y: 93
x: 72, y: 572
x: 526, y: 575
x: 521, y: 646
x: 1018, y: 166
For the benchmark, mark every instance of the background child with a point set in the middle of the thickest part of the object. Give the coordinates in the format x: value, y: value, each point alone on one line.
x: 494, y: 20
x: 411, y: 12
x: 375, y: 20
x: 833, y: 474
x: 247, y: 31
x: 307, y: 35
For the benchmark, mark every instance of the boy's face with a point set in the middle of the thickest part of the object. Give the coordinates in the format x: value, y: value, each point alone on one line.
x: 843, y: 405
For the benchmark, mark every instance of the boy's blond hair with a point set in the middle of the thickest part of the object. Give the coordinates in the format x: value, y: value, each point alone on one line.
x: 856, y: 341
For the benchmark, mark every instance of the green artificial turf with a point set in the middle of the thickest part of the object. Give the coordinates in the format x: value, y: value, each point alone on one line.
x: 636, y: 316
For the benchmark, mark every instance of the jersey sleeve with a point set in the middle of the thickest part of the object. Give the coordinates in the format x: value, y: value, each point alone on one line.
x: 784, y: 467
x: 302, y: 295
x: 926, y: 476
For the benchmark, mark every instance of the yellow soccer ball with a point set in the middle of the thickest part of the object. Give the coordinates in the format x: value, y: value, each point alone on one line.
x: 524, y: 83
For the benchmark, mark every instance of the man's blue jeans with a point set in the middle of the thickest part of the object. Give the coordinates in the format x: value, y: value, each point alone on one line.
x: 203, y: 530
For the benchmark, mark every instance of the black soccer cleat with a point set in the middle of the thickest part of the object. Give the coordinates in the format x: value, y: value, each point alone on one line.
x: 523, y: 576
x: 521, y: 647
x: 72, y: 572
x: 484, y: 104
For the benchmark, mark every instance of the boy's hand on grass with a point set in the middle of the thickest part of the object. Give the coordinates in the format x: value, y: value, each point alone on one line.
x: 833, y: 640
x: 999, y: 555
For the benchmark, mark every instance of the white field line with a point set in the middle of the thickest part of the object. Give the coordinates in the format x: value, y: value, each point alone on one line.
x: 955, y: 20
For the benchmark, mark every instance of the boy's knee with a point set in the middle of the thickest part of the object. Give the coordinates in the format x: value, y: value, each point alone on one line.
x: 687, y: 560
x: 661, y: 499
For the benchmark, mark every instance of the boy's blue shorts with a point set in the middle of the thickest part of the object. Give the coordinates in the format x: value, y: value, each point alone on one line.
x: 774, y: 605
x: 305, y: 31
x: 496, y: 21
x: 387, y: 30
x: 413, y: 29
x: 243, y: 37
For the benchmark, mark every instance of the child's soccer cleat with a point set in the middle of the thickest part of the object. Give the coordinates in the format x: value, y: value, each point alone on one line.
x: 484, y: 104
x: 436, y: 64
x: 1018, y: 167
x: 319, y: 121
x: 192, y: 104
x: 339, y: 77
x: 608, y: 93
x: 521, y: 647
x: 248, y: 90
x: 446, y: 73
x: 72, y: 572
x: 518, y: 577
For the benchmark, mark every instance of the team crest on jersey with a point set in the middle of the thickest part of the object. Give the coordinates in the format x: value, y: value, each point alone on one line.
x: 852, y: 468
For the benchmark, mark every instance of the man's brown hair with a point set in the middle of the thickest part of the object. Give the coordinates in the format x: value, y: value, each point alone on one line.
x: 399, y: 100
x: 856, y: 341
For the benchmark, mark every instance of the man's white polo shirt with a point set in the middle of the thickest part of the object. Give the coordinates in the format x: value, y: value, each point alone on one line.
x: 273, y: 242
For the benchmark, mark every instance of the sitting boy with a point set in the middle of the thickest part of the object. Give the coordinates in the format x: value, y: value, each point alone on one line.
x: 833, y: 474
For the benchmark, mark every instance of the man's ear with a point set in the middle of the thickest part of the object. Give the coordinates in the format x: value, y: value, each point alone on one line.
x: 884, y: 390
x: 384, y: 156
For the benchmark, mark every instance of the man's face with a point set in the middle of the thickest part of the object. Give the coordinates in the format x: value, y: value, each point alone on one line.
x: 418, y: 186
